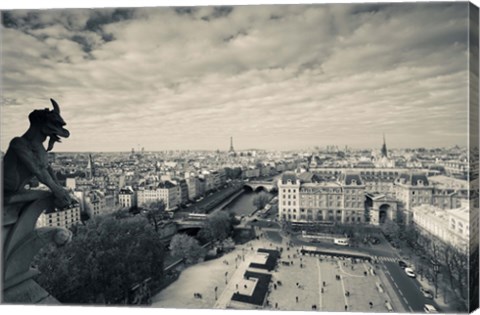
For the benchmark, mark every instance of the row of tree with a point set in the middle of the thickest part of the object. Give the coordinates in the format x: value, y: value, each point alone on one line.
x: 434, y: 257
x: 218, y: 231
x: 105, y: 259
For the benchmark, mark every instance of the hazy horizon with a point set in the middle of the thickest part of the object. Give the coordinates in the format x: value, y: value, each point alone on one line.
x: 275, y: 77
x: 321, y: 148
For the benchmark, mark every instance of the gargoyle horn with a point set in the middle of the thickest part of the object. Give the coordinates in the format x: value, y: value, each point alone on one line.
x: 56, y: 108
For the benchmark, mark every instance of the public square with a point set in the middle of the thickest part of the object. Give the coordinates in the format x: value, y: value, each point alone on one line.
x: 306, y: 283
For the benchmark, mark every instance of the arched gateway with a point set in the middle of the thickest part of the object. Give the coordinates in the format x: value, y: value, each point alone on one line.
x: 381, y: 209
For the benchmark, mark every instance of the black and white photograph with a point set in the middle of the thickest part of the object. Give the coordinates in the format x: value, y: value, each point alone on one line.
x: 316, y: 157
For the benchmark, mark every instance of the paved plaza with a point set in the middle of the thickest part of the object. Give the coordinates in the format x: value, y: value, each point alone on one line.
x: 307, y: 283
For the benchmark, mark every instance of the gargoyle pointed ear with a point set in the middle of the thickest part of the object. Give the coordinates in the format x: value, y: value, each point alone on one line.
x: 56, y: 108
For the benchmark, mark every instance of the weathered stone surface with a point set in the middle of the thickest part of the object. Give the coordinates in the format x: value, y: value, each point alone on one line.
x: 27, y: 158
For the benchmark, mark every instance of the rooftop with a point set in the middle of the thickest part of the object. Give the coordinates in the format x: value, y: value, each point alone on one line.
x: 448, y: 182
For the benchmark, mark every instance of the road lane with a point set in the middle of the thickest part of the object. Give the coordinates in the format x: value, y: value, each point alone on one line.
x: 408, y: 288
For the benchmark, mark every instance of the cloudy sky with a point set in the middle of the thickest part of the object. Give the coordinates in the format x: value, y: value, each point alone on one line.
x: 273, y: 77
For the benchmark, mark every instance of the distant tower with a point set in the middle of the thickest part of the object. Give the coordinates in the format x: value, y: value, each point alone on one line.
x: 384, y: 147
x: 231, y: 146
x: 90, y: 170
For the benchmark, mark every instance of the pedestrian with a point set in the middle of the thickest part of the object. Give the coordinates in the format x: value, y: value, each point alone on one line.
x: 346, y: 307
x: 296, y: 299
x: 322, y: 290
x: 236, y: 286
x: 371, y: 304
x: 324, y: 284
x: 276, y: 305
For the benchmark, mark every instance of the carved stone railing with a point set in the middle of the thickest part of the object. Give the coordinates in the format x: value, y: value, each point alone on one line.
x: 21, y: 241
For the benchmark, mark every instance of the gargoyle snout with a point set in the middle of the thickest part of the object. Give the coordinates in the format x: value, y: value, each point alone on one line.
x: 64, y: 133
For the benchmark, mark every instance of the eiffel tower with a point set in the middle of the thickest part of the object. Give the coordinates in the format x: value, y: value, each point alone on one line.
x: 231, y: 146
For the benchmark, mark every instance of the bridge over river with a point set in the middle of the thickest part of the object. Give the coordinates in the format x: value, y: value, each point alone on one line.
x: 268, y: 186
x: 240, y: 203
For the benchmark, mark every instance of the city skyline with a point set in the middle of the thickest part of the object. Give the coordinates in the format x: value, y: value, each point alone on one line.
x: 273, y: 77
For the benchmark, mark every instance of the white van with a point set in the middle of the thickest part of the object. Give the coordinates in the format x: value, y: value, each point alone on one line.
x: 341, y: 241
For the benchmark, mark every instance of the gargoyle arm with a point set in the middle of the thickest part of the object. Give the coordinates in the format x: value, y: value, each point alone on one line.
x: 52, y: 174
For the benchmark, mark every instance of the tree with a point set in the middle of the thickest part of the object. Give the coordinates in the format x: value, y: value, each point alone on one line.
x: 154, y: 211
x: 186, y: 247
x: 233, y: 173
x: 261, y: 200
x: 457, y: 268
x: 106, y: 255
x: 218, y: 227
x: 391, y: 229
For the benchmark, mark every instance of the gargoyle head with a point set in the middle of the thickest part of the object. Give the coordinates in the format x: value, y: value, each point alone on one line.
x: 50, y: 123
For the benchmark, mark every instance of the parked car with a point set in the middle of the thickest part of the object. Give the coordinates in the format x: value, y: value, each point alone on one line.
x: 428, y: 308
x: 402, y: 264
x: 428, y: 294
x: 410, y: 272
x: 374, y: 240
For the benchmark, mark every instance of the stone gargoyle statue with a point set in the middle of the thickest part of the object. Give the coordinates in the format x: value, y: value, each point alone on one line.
x: 26, y: 158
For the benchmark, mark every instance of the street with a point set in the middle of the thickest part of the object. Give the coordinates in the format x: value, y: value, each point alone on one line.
x: 408, y: 288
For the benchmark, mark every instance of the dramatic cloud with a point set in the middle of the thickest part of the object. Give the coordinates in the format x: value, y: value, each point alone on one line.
x: 273, y: 77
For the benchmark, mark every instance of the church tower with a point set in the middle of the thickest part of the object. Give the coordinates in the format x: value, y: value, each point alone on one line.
x: 384, y: 148
x: 90, y: 171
